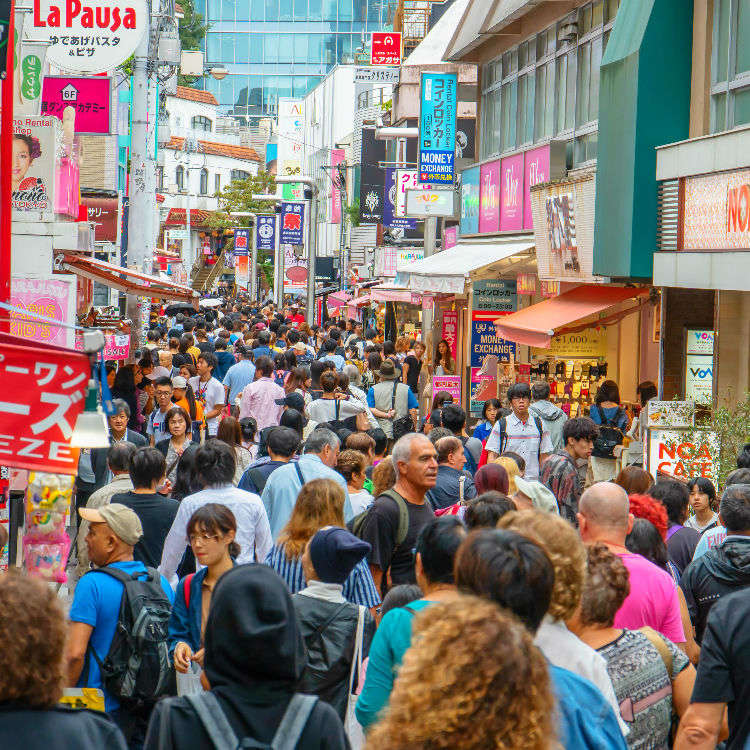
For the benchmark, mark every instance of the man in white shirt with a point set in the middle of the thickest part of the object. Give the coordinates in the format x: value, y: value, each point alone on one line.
x: 520, y: 433
x: 209, y: 391
x: 214, y: 469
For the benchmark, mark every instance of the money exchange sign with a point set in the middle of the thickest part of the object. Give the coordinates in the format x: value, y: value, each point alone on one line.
x: 437, y: 127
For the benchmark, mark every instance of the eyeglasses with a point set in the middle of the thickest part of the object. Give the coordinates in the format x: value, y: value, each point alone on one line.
x: 202, y: 538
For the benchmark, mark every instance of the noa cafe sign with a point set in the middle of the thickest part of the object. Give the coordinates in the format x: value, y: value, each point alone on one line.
x: 88, y: 36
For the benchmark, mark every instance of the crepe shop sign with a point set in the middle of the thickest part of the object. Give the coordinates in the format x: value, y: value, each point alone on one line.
x: 89, y: 36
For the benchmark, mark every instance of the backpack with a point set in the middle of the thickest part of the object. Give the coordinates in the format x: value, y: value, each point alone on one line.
x: 356, y: 524
x: 403, y: 425
x: 137, y: 668
x: 504, y: 436
x: 609, y: 436
x: 471, y: 464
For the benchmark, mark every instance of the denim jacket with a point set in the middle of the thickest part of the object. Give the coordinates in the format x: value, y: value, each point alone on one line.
x: 185, y: 622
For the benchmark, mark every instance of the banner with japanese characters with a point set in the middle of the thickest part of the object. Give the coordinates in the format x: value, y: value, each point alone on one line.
x: 266, y: 228
x: 241, y: 241
x: 44, y: 391
x: 437, y: 127
x: 292, y: 224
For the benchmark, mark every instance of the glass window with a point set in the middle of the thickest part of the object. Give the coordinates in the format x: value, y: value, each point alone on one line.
x: 374, y: 14
x: 597, y: 14
x: 285, y: 10
x: 227, y: 10
x: 584, y: 78
x: 272, y: 9
x: 241, y: 48
x: 345, y: 10
x: 269, y: 94
x: 584, y: 20
x: 242, y: 10
x: 300, y: 10
x: 742, y: 107
x: 315, y: 10
x: 227, y: 48
x: 255, y: 48
x: 213, y: 42
x: 299, y: 86
x: 239, y: 174
x: 300, y: 48
x: 270, y: 48
x: 285, y: 44
x: 329, y: 10
x: 509, y: 115
x: 545, y: 101
x: 284, y: 85
x: 257, y: 10
x: 721, y: 40
x: 199, y: 122
x: 255, y: 93
x: 610, y: 10
x: 329, y: 49
x: 742, y: 43
x: 315, y: 48
x: 525, y: 109
x: 217, y: 183
x: 179, y: 178
x: 160, y: 178
x: 214, y: 9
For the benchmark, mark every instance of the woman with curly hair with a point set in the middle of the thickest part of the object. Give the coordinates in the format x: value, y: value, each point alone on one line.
x: 32, y: 675
x: 448, y: 694
x: 651, y: 676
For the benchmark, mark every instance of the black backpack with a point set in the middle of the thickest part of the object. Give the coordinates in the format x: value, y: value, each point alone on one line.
x: 403, y: 425
x: 609, y: 436
x: 137, y: 669
x: 503, y: 435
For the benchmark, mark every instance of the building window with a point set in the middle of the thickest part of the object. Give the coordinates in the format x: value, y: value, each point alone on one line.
x: 199, y: 122
x: 549, y: 85
x: 730, y: 65
x: 179, y: 178
x: 217, y: 183
x: 239, y: 174
x: 160, y: 178
x: 204, y: 182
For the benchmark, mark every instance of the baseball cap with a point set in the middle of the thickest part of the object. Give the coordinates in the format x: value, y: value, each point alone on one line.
x: 122, y: 520
x: 293, y: 400
x: 179, y: 382
x: 334, y: 552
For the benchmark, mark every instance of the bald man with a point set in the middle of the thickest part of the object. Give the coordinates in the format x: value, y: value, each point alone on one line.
x: 604, y: 516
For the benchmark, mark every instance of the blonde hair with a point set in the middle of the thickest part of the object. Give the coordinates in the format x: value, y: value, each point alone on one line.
x: 319, y: 503
x: 565, y: 550
x: 402, y: 344
x: 511, y: 467
x: 449, y: 696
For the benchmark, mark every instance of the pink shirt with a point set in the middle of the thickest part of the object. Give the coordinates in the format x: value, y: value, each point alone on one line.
x: 259, y: 401
x: 652, y: 599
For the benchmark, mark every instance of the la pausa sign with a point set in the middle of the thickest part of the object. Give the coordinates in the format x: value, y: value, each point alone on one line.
x: 89, y: 36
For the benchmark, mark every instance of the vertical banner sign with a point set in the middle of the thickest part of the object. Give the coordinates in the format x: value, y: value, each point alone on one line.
x: 449, y: 331
x: 242, y: 271
x: 241, y: 241
x: 469, y: 201
x: 511, y: 193
x: 338, y: 156
x: 372, y: 178
x: 489, y: 197
x: 449, y: 237
x: 291, y: 144
x: 292, y: 224
x: 266, y: 228
x: 437, y: 127
x: 4, y: 22
x: 390, y: 204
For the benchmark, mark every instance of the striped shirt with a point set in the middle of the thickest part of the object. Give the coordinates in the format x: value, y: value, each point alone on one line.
x: 359, y: 587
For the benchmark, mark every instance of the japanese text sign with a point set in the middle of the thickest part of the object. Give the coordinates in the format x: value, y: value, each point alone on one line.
x: 338, y: 156
x: 437, y: 127
x: 511, y: 193
x: 89, y: 97
x: 450, y: 383
x: 487, y: 350
x: 391, y: 217
x: 469, y: 201
x: 44, y: 392
x: 241, y: 241
x: 266, y: 228
x: 450, y: 330
x: 116, y: 346
x: 292, y: 224
x: 495, y: 295
x: 47, y: 297
x: 103, y: 214
x: 385, y: 48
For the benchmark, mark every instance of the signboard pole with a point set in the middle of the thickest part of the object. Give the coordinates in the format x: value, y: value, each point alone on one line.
x: 253, y: 285
x: 279, y: 265
x: 6, y: 157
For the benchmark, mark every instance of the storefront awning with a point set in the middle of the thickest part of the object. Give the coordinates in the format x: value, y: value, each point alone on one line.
x: 536, y: 325
x: 394, y: 293
x: 125, y: 279
x: 450, y: 270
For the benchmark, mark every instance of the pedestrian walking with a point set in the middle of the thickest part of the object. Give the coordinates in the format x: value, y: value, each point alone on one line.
x: 259, y: 398
x: 209, y: 391
x: 612, y: 420
x: 552, y: 416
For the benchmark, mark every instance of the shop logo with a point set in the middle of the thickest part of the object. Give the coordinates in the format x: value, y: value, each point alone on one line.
x: 702, y: 372
x: 738, y: 209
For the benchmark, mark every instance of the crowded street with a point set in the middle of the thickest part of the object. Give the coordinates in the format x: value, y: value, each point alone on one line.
x: 376, y: 375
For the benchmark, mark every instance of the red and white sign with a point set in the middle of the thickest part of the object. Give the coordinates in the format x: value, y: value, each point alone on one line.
x: 44, y: 391
x: 116, y: 346
x: 88, y: 36
x: 385, y: 48
x: 450, y: 383
x: 450, y: 330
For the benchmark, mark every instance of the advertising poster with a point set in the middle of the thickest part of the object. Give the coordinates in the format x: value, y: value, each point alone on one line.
x: 266, y: 229
x: 536, y: 170
x: 699, y: 378
x: 290, y: 147
x: 489, y: 197
x: 494, y: 295
x: 450, y: 383
x: 406, y: 179
x: 487, y: 350
x: 450, y: 237
x: 103, y: 213
x: 46, y: 297
x: 511, y: 193
x: 295, y: 272
x: 89, y: 97
x: 241, y: 242
x: 561, y: 230
x: 385, y: 48
x: 469, y: 201
x: 699, y: 342
x: 338, y: 156
x: 489, y: 383
x: 390, y: 217
x: 450, y: 331
x: 35, y: 147
x: 372, y: 179
x: 526, y: 284
x: 437, y: 127
x: 292, y: 224
x: 242, y: 271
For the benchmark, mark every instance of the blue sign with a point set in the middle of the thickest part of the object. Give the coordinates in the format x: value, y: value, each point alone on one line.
x: 484, y: 342
x: 292, y: 224
x: 389, y: 205
x: 266, y: 229
x: 241, y: 241
x: 437, y: 128
x: 469, y: 201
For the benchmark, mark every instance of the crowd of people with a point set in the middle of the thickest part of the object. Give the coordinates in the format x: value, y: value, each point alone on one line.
x: 281, y: 549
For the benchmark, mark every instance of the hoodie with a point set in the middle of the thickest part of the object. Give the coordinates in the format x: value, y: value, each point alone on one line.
x: 720, y: 571
x: 255, y: 656
x: 553, y: 418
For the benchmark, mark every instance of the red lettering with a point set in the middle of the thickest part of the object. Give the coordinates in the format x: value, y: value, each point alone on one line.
x: 665, y: 449
x: 738, y: 209
x: 685, y: 450
x: 87, y: 17
x: 37, y: 15
x: 72, y: 9
x: 129, y: 20
x: 703, y: 452
x: 102, y: 17
x: 732, y: 210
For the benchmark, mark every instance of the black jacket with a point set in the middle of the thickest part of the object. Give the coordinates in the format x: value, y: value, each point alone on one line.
x: 329, y: 630
x: 99, y: 455
x: 720, y: 571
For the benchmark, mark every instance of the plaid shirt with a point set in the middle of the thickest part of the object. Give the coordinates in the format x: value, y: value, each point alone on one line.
x: 560, y: 475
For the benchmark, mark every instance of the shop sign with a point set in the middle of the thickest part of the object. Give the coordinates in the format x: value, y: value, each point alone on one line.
x: 437, y: 127
x: 699, y: 378
x: 389, y: 258
x: 494, y: 295
x: 338, y: 156
x: 449, y: 237
x: 450, y: 383
x: 89, y: 36
x: 390, y: 215
x: 36, y: 143
x: 487, y: 349
x: 103, y: 213
x: 699, y: 342
x: 385, y: 48
x: 241, y: 241
x: 536, y: 170
x: 266, y: 229
x: 242, y: 271
x: 406, y: 179
x: 450, y: 331
x: 469, y: 201
x: 44, y: 392
x: 47, y: 297
x: 683, y: 454
x: 116, y: 345
x: 30, y: 67
x: 376, y: 75
x: 291, y: 120
x: 89, y: 98
x: 489, y: 197
x: 295, y: 272
x: 425, y: 203
x: 526, y: 284
x: 178, y: 235
x: 591, y: 343
x: 372, y: 178
x: 511, y: 193
x: 550, y: 289
x: 292, y: 224
x: 670, y: 414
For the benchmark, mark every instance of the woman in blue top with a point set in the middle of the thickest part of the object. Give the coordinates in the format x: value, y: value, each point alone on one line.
x: 436, y: 547
x: 489, y: 417
x: 607, y: 413
x: 211, y: 531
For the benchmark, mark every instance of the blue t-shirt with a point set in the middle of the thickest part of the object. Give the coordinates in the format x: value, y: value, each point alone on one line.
x: 337, y: 359
x: 97, y: 603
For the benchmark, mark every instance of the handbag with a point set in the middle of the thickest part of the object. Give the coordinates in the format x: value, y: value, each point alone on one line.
x: 352, y: 727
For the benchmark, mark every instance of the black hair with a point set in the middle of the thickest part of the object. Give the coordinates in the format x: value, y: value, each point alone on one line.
x: 248, y: 426
x: 738, y: 476
x: 163, y: 381
x: 374, y: 361
x: 381, y: 440
x: 487, y: 509
x: 399, y: 596
x: 283, y: 441
x: 290, y: 359
x: 735, y: 508
x: 147, y: 465
x: 706, y: 486
x: 371, y: 333
x: 437, y: 544
x: 119, y: 455
x: 210, y: 359
x: 510, y: 570
x: 520, y: 461
x: 519, y: 390
x: 490, y: 402
x: 293, y: 419
x: 540, y: 390
x: 152, y: 334
x: 580, y: 428
x: 646, y: 391
x: 454, y: 417
x: 264, y: 366
x: 743, y: 457
x: 220, y: 344
x: 215, y: 463
x: 293, y: 336
x: 213, y: 518
x: 645, y: 539
x: 124, y: 381
x: 440, y: 398
x: 279, y: 362
x: 329, y: 345
x: 608, y: 391
x: 389, y: 348
x: 674, y: 496
x: 264, y: 338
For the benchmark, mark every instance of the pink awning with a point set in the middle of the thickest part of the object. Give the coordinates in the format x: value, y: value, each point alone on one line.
x: 394, y: 294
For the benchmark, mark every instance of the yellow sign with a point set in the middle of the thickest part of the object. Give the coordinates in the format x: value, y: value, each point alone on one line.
x: 591, y: 342
x: 91, y: 698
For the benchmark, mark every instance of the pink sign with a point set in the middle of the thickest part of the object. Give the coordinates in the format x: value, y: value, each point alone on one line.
x: 450, y: 330
x: 89, y: 97
x: 449, y: 237
x: 42, y: 297
x: 489, y: 197
x: 338, y: 156
x: 116, y: 346
x: 536, y: 170
x: 450, y: 383
x: 511, y: 193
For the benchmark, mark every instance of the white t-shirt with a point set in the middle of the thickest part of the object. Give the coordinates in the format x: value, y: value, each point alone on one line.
x: 522, y: 438
x: 324, y: 409
x: 210, y: 394
x: 360, y: 501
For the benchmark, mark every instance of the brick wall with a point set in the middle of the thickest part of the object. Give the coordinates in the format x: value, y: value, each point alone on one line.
x: 684, y: 308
